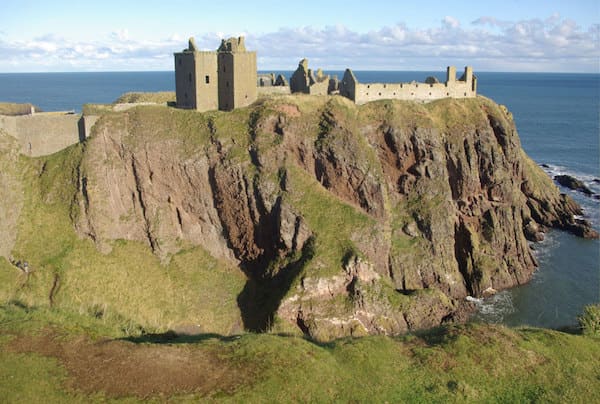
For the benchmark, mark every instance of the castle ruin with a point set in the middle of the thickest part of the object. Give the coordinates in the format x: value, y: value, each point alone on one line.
x: 227, y: 78
x: 431, y: 89
x: 224, y: 79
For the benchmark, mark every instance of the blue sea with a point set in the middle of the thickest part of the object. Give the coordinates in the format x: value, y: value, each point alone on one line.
x: 557, y: 116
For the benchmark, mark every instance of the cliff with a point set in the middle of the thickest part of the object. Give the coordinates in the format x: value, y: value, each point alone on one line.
x: 344, y: 219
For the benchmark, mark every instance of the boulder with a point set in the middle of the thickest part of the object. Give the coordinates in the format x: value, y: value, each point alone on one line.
x: 573, y: 183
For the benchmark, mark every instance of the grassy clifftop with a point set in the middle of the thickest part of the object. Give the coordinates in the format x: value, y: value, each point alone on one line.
x: 13, y: 109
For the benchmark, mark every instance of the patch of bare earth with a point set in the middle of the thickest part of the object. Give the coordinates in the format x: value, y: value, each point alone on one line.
x: 290, y: 110
x: 122, y: 368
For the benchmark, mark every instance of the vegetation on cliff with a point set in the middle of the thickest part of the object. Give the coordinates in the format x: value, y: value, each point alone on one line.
x: 14, y: 109
x: 306, y: 215
x: 169, y: 233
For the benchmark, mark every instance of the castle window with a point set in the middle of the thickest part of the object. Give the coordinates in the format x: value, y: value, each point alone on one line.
x: 226, y: 84
x: 224, y: 69
x: 379, y: 93
x: 190, y: 77
x: 431, y: 85
x: 368, y: 86
x: 384, y: 86
x: 179, y: 61
x: 465, y: 94
x: 429, y: 93
x: 447, y: 94
x: 394, y: 93
x: 207, y: 79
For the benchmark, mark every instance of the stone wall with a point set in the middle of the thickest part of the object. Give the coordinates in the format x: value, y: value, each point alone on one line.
x: 46, y: 133
x: 299, y: 82
x: 273, y: 90
x: 304, y: 81
x: 361, y: 93
x: 185, y: 73
x: 319, y: 87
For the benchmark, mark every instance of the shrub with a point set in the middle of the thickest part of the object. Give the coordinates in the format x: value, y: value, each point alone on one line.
x: 589, y: 321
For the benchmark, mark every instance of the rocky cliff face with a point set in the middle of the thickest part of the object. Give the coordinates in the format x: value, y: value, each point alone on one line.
x: 347, y: 220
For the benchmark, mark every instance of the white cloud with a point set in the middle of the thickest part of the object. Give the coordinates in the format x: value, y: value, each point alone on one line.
x: 120, y: 35
x: 450, y: 22
x: 487, y: 43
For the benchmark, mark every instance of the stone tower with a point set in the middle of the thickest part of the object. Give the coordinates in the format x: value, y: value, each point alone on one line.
x: 225, y: 79
x: 196, y: 80
x: 237, y: 74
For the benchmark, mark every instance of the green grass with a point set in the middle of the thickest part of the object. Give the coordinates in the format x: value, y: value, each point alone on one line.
x: 470, y: 363
x: 334, y: 222
x: 129, y: 287
x: 96, y: 109
x: 160, y: 97
x: 13, y: 109
x: 589, y: 321
x: 31, y: 378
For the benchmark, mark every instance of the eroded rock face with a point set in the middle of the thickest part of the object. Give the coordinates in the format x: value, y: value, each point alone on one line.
x: 147, y: 193
x: 444, y: 199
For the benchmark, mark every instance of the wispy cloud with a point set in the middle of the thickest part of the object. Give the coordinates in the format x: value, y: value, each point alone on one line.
x: 550, y: 44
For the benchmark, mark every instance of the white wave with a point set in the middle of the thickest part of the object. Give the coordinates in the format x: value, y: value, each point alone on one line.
x: 495, y: 308
x: 542, y: 248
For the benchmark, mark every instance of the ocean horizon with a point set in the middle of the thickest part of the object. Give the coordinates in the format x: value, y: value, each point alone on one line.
x: 556, y: 115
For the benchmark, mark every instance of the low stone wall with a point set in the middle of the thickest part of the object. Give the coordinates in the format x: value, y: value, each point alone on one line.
x: 319, y: 88
x: 268, y: 90
x: 412, y: 91
x: 46, y: 133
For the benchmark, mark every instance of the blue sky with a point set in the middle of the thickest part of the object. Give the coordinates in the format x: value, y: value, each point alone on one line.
x: 376, y: 35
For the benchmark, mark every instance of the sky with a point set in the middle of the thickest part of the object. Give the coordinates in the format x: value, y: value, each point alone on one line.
x: 110, y: 35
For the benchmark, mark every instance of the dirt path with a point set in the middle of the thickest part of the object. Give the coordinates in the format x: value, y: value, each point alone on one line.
x: 122, y: 368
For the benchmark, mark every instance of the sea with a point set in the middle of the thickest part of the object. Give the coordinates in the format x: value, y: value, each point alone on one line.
x: 557, y: 117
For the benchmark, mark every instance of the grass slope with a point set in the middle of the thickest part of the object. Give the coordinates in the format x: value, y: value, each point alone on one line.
x: 129, y: 287
x: 39, y: 357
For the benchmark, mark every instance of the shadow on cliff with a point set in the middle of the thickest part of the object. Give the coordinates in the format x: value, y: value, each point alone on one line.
x: 263, y: 292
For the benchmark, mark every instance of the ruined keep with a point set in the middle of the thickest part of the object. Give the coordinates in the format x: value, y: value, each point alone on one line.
x: 223, y: 79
